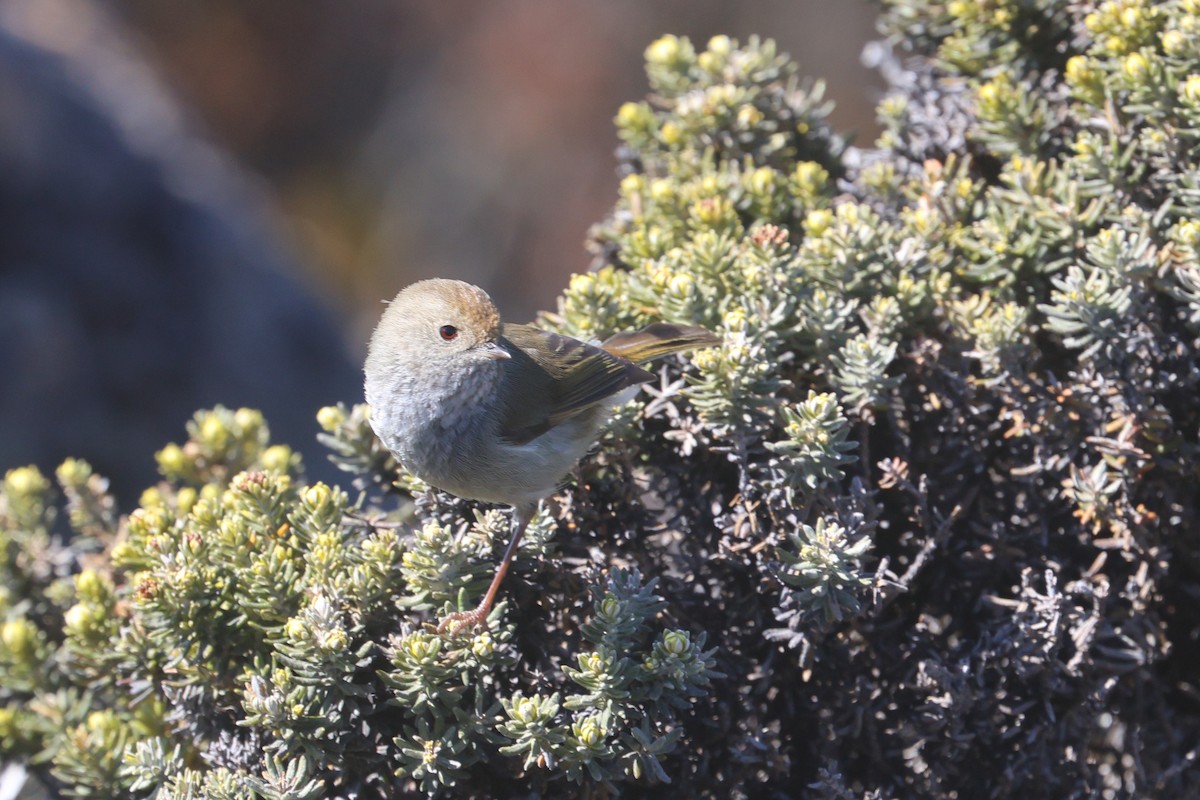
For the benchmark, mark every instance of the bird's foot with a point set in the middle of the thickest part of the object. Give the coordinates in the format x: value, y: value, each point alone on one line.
x: 458, y: 621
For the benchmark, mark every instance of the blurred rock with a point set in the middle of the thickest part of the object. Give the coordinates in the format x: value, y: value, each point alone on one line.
x: 141, y: 274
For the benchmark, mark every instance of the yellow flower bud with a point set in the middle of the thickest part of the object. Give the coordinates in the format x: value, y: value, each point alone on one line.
x: 247, y: 419
x: 1188, y: 233
x: 748, y: 116
x: 818, y: 221
x: 1190, y: 89
x: 73, y: 471
x: 662, y: 190
x: 186, y: 499
x: 590, y: 732
x: 25, y: 481
x: 295, y: 628
x: 720, y: 45
x: 810, y: 177
x: 483, y: 646
x: 1079, y: 71
x: 735, y: 320
x: 90, y: 585
x: 664, y: 51
x: 171, y: 459
x: 608, y: 607
x: 1173, y: 43
x: 525, y: 709
x: 682, y: 285
x: 18, y: 637
x: 335, y: 641
x: 330, y: 418
x: 276, y: 458
x: 582, y: 284
x: 316, y: 495
x: 632, y: 185
x: 77, y: 620
x: 634, y: 116
x: 102, y: 721
x: 213, y: 431
x: 1136, y: 67
x: 151, y: 498
x: 676, y: 642
x: 762, y: 181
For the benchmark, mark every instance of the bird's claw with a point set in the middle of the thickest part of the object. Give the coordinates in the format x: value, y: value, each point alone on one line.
x: 456, y: 622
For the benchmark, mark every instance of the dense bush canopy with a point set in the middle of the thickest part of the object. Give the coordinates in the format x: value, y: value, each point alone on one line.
x: 923, y: 526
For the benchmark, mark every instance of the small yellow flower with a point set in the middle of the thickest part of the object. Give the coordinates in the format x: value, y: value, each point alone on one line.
x: 810, y: 177
x: 581, y: 284
x: 665, y: 51
x: 317, y: 495
x: 335, y: 641
x: 762, y: 181
x: 720, y: 45
x: 1190, y: 89
x: 330, y: 418
x: 213, y: 431
x: 818, y: 221
x: 276, y: 458
x: 1079, y: 70
x: 25, y: 481
x: 296, y: 629
x: 483, y: 646
x: 18, y: 637
x: 1136, y: 67
x: 662, y: 190
x: 632, y: 185
x: 676, y: 642
x: 89, y: 585
x: 748, y: 116
x: 172, y: 459
x: 634, y: 116
x: 590, y: 732
x: 247, y: 419
x: 1173, y: 43
x: 78, y: 619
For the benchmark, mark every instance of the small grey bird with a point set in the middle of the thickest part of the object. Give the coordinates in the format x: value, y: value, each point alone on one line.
x: 496, y: 412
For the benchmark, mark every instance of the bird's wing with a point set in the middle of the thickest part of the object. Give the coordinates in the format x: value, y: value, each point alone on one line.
x: 559, y: 377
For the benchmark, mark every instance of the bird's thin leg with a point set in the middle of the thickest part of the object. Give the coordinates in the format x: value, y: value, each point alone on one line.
x: 465, y: 620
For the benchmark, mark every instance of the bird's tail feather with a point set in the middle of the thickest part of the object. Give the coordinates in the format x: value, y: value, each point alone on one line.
x: 659, y: 339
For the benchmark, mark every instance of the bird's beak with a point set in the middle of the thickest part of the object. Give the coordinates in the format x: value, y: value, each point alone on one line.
x: 494, y: 350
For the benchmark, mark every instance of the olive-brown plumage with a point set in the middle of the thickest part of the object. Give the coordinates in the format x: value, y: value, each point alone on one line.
x: 496, y: 412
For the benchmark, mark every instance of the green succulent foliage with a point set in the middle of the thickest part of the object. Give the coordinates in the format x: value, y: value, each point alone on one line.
x: 935, y: 490
x: 817, y: 447
x: 821, y: 570
x: 263, y: 638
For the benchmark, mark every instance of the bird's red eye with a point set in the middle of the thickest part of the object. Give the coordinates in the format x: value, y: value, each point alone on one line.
x: 448, y: 333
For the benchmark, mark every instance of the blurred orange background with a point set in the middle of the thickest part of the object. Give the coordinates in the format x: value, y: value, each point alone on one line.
x: 458, y: 139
